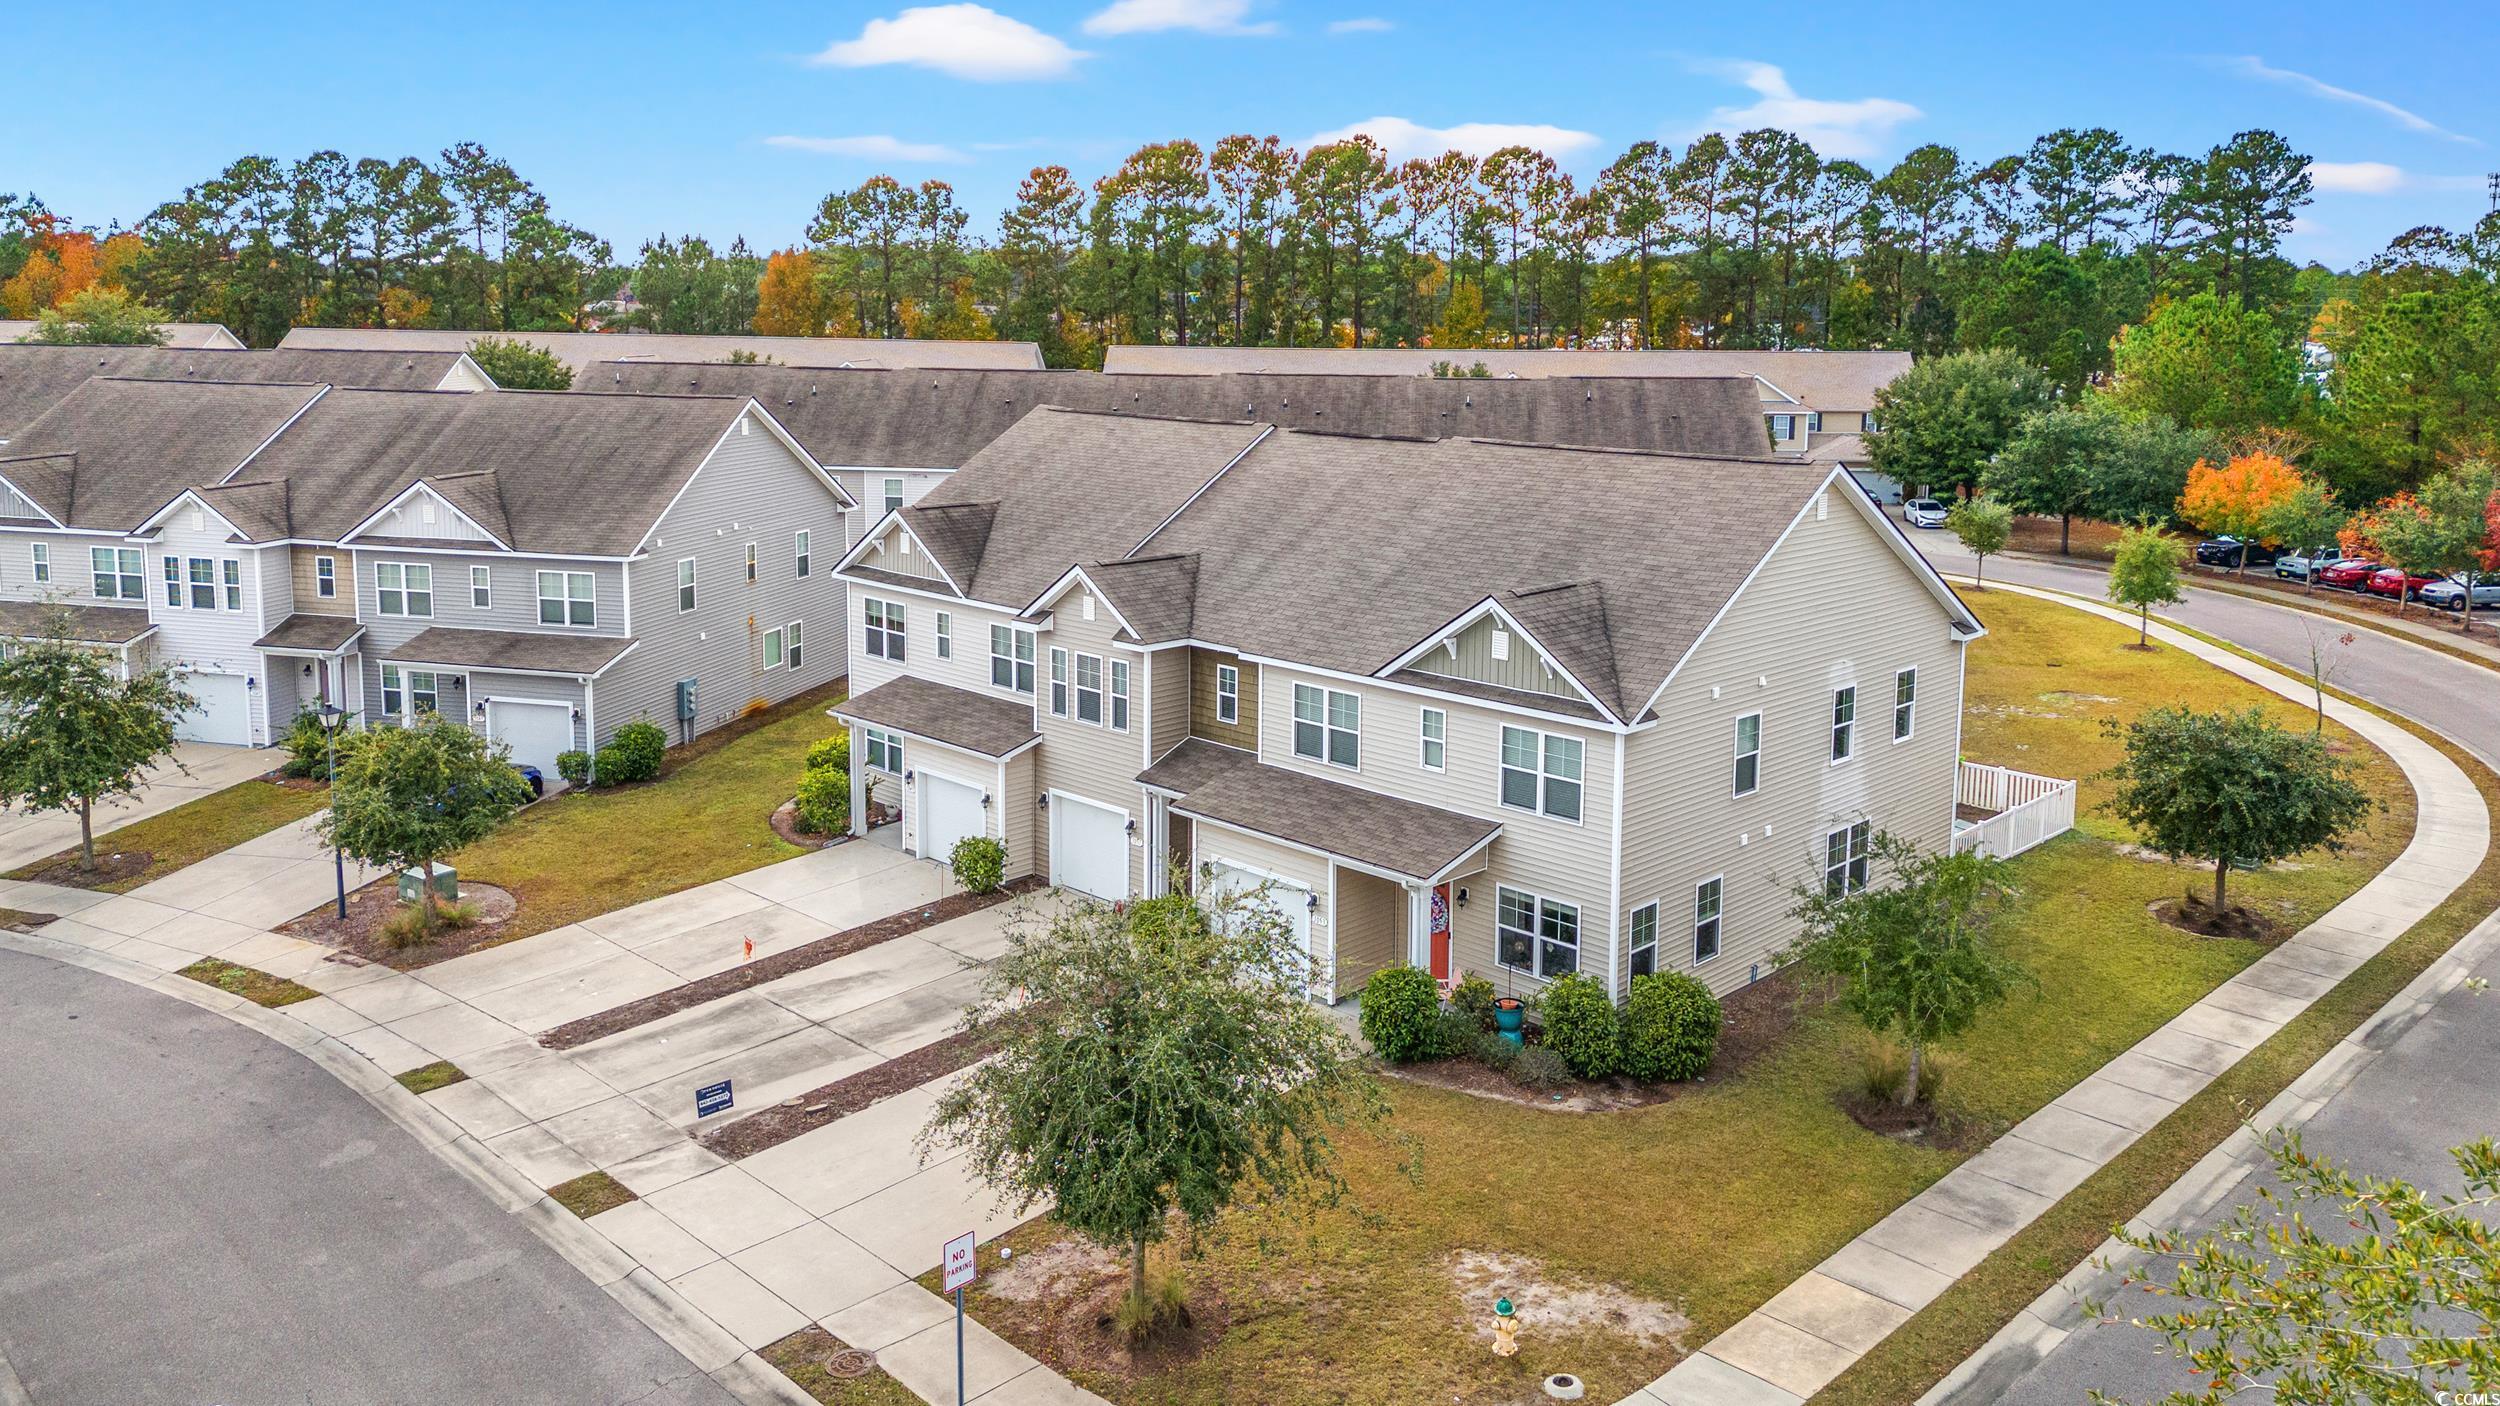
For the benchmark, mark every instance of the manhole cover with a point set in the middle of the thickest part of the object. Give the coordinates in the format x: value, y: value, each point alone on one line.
x: 851, y: 1362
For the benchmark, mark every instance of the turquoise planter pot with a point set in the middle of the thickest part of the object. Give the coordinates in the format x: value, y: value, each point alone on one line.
x: 1510, y: 1019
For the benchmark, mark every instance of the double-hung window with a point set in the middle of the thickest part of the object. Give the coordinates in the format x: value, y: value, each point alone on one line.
x: 1058, y: 683
x: 1904, y: 704
x: 893, y: 495
x: 1748, y: 754
x: 204, y: 583
x: 173, y: 580
x: 1011, y: 661
x: 885, y: 751
x: 1844, y: 722
x: 394, y: 696
x: 750, y: 563
x: 885, y: 629
x: 1536, y: 935
x: 1845, y: 858
x: 482, y: 589
x: 806, y: 558
x: 412, y: 693
x: 945, y: 635
x: 1436, y: 739
x: 398, y: 589
x: 1783, y: 427
x: 1088, y: 688
x: 1709, y: 898
x: 1814, y: 422
x: 772, y: 649
x: 1644, y: 940
x: 1227, y: 693
x: 326, y: 577
x: 1541, y: 772
x: 1119, y: 695
x: 120, y: 573
x: 43, y: 563
x: 566, y: 598
x: 685, y: 586
x: 796, y: 645
x: 232, y: 575
x: 1328, y: 725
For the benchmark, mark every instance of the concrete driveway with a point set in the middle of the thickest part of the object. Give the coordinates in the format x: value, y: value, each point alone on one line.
x: 202, y: 767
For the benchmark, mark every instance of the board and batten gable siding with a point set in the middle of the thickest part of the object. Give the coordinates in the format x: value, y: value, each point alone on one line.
x: 752, y: 488
x: 1780, y: 649
x: 1087, y: 759
x: 426, y: 514
x: 1556, y: 859
x: 1524, y: 666
x: 308, y: 597
x: 899, y: 553
x: 16, y: 504
x: 1167, y: 695
x: 1203, y: 722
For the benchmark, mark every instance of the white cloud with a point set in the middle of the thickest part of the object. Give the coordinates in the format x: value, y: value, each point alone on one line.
x: 1155, y: 16
x: 872, y: 148
x: 2356, y: 177
x: 1855, y: 128
x: 1361, y: 24
x: 2250, y: 66
x: 1402, y: 138
x: 963, y: 41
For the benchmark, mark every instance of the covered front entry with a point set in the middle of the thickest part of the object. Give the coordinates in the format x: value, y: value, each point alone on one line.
x: 1088, y: 847
x: 221, y: 708
x: 950, y: 811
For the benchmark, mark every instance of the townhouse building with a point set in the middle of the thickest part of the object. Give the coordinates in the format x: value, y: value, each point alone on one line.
x: 34, y: 378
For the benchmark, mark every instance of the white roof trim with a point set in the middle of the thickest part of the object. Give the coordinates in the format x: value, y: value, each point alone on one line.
x: 7, y: 483
x: 1491, y: 606
x: 1069, y: 578
x: 414, y: 488
x: 193, y: 494
x: 1255, y: 441
x: 893, y: 521
x: 313, y: 400
x: 1775, y: 390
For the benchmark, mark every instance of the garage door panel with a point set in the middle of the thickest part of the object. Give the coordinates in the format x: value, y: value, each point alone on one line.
x: 536, y: 732
x: 1290, y: 901
x: 950, y: 810
x: 221, y: 710
x: 1088, y: 847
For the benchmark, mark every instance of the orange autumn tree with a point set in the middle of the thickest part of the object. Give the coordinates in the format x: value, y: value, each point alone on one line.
x: 2234, y: 499
x: 787, y: 301
x: 63, y: 264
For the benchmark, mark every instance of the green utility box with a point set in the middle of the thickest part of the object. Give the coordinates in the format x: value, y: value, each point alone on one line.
x: 446, y: 884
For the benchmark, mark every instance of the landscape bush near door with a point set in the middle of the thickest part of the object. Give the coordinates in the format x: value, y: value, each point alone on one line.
x: 979, y: 862
x: 824, y: 804
x: 1402, y: 1015
x: 1670, y: 1028
x: 1580, y: 1024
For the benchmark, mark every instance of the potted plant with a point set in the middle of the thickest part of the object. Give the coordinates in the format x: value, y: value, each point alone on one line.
x: 1510, y: 1014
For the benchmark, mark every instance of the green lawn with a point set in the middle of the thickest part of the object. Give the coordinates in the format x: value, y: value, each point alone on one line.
x: 185, y: 835
x: 1715, y: 1201
x: 708, y: 816
x: 250, y: 983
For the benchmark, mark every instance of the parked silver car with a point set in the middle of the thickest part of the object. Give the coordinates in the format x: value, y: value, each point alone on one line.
x: 2450, y: 595
x: 2300, y: 566
x: 1923, y: 512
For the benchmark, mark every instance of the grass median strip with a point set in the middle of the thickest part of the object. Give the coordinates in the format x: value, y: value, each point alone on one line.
x: 425, y: 1079
x: 590, y: 1193
x: 257, y: 987
x: 147, y: 850
x: 834, y: 1373
x: 23, y: 921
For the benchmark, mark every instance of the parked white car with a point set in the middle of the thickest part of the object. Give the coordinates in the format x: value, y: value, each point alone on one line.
x: 2300, y: 566
x: 2450, y: 595
x: 1923, y: 512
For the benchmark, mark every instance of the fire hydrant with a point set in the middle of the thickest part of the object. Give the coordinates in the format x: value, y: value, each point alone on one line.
x: 1505, y: 1329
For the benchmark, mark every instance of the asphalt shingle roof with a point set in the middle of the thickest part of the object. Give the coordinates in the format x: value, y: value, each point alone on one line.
x: 957, y: 717
x: 33, y: 379
x: 119, y: 450
x: 1819, y: 380
x: 580, y: 349
x: 86, y: 624
x: 316, y: 632
x: 525, y: 651
x: 1233, y: 787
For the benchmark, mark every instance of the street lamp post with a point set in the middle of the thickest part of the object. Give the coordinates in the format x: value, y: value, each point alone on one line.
x: 332, y: 718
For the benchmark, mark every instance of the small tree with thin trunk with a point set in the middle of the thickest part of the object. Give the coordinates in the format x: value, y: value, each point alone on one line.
x: 406, y: 797
x: 2324, y: 664
x: 2144, y: 572
x: 2232, y: 788
x: 2304, y: 520
x: 1984, y: 525
x: 72, y: 734
x: 1154, y: 1061
x: 1912, y: 950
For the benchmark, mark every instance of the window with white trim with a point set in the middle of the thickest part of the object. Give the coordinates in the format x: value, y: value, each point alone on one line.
x: 750, y: 563
x: 42, y: 562
x: 1814, y: 422
x: 1845, y: 858
x: 1435, y: 730
x: 1058, y: 683
x: 893, y: 495
x: 1119, y: 695
x: 1088, y: 688
x: 1541, y: 772
x: 797, y: 645
x: 885, y: 750
x: 685, y: 586
x: 772, y: 649
x: 173, y: 581
x: 482, y: 589
x: 1709, y: 901
x: 799, y: 547
x: 1328, y: 725
x: 1644, y: 928
x: 203, y: 578
x: 399, y: 588
x: 567, y: 598
x: 945, y: 635
x: 393, y: 696
x: 1227, y: 693
x: 326, y: 577
x: 1535, y: 935
x: 1844, y: 722
x: 412, y: 693
x: 1011, y: 661
x: 1904, y: 704
x: 231, y: 573
x: 120, y: 573
x: 885, y: 628
x: 1783, y: 427
x: 1748, y: 754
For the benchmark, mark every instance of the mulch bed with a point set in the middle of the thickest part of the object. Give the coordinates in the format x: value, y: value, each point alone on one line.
x: 843, y: 1097
x: 2196, y: 915
x: 368, y: 908
x: 786, y: 825
x: 1922, y: 1123
x: 779, y: 964
x: 62, y: 869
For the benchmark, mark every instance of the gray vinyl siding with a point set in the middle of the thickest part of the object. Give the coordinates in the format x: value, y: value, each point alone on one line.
x: 512, y: 594
x: 1526, y: 668
x: 69, y: 584
x: 285, y: 691
x: 208, y: 641
x: 751, y: 489
x: 1168, y: 686
x: 1085, y: 759
x: 1783, y: 646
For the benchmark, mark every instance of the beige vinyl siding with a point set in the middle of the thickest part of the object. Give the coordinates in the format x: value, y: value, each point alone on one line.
x: 1168, y: 688
x: 955, y: 764
x: 1524, y: 668
x: 899, y: 553
x: 1203, y: 721
x: 969, y: 624
x: 1081, y: 758
x: 1019, y: 823
x: 1371, y: 913
x: 308, y: 597
x: 1556, y: 859
x: 1784, y: 645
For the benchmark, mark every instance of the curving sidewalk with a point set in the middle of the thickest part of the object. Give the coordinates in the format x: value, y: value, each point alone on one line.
x: 1819, y: 1326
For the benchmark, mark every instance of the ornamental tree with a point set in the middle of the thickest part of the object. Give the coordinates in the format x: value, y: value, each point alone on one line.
x: 1153, y: 1060
x: 2232, y: 788
x: 1913, y: 953
x: 1947, y: 416
x: 2145, y: 573
x: 71, y: 733
x: 2236, y: 497
x: 405, y: 797
x: 1984, y: 526
x: 2306, y: 519
x: 2446, y: 529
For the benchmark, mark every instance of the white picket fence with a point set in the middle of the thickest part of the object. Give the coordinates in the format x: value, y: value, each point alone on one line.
x: 2030, y: 810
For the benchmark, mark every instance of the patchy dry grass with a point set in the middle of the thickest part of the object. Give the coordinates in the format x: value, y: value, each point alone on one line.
x: 181, y: 837
x: 812, y: 1358
x: 590, y: 1193
x: 425, y: 1079
x: 257, y: 987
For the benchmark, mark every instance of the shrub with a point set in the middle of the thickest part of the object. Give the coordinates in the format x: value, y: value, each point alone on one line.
x: 1670, y: 1027
x: 1162, y: 1306
x: 1402, y: 1014
x: 1453, y: 1032
x: 574, y: 767
x: 1474, y: 995
x: 834, y: 751
x: 1886, y: 1064
x: 609, y: 762
x: 825, y: 801
x: 1492, y: 1051
x: 979, y: 861
x: 307, y: 745
x: 638, y: 747
x: 1538, y: 1068
x: 1580, y: 1024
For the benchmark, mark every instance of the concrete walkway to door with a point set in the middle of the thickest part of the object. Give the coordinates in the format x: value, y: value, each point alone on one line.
x: 197, y: 769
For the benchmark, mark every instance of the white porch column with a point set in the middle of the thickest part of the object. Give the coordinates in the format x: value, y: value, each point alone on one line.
x: 859, y: 787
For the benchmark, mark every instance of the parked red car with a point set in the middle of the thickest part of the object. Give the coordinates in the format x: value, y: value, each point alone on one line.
x: 2391, y: 582
x: 2350, y: 574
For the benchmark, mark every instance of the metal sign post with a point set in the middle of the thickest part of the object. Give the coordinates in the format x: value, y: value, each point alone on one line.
x: 961, y: 1266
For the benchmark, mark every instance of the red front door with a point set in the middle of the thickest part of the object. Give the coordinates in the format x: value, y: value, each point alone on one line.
x: 1441, y: 932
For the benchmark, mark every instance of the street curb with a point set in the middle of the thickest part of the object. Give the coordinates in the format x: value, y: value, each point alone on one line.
x: 2049, y: 1320
x: 741, y: 1373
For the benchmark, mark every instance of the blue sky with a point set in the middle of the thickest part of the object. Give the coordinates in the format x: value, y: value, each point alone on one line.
x: 726, y: 119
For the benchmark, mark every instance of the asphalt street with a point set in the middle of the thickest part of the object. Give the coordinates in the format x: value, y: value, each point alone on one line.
x: 195, y: 1216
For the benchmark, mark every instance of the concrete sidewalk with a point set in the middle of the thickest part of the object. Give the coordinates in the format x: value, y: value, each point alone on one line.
x: 196, y: 769
x: 1816, y: 1328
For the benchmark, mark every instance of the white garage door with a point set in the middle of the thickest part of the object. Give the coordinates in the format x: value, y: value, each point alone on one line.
x: 1088, y: 847
x: 535, y: 732
x: 221, y: 712
x: 950, y: 810
x: 1291, y: 901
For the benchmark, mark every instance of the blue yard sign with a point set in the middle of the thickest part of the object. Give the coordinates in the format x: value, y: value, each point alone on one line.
x: 711, y: 1099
